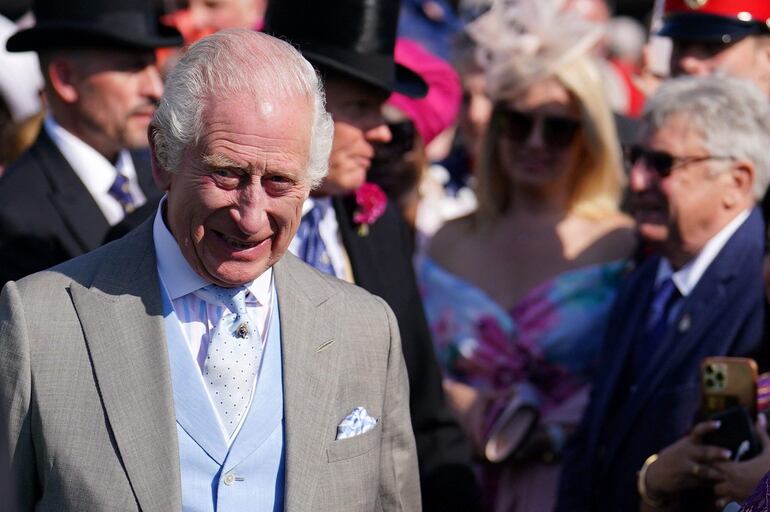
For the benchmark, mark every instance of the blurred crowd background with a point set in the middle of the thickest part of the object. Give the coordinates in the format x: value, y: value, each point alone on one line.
x: 584, y: 220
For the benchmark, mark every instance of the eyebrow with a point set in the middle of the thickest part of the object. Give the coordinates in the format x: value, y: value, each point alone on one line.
x: 220, y: 161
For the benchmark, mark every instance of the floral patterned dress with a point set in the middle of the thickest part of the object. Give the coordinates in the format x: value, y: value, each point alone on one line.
x: 547, y: 345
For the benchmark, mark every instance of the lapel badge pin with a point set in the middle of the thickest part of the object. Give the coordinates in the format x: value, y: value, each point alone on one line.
x: 684, y: 323
x: 242, y: 331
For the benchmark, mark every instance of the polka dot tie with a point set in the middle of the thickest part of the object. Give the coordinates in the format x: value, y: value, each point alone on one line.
x: 233, y: 355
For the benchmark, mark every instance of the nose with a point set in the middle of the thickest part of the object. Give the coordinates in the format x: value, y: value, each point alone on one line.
x: 640, y: 177
x: 152, y: 84
x: 249, y: 213
x: 535, y: 139
x: 686, y: 63
x: 379, y: 132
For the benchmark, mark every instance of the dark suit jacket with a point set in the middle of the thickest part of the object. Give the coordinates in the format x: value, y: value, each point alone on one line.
x: 624, y: 425
x: 47, y: 215
x: 382, y: 265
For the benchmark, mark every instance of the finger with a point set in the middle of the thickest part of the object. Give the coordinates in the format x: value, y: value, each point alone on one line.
x: 761, y: 426
x: 704, y: 428
x: 707, y: 472
x: 720, y: 489
x: 710, y: 454
x: 721, y: 503
x: 723, y: 490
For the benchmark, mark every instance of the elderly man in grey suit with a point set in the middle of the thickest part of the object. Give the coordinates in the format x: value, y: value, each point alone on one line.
x: 192, y: 364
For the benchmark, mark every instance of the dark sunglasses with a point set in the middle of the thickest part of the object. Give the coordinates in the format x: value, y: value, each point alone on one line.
x: 402, y: 137
x: 518, y: 126
x: 661, y: 162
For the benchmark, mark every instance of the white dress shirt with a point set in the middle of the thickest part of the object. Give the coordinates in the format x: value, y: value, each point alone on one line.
x: 687, y: 277
x: 329, y: 230
x: 95, y: 171
x: 196, y: 316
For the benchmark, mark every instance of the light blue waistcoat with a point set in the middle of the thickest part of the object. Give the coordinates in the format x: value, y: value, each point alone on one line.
x: 249, y: 475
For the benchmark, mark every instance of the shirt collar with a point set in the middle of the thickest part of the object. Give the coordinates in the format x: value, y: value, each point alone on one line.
x: 90, y: 165
x: 179, y: 277
x: 687, y: 277
x: 324, y: 203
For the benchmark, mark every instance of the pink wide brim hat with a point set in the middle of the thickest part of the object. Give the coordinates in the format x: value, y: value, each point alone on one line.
x: 438, y: 110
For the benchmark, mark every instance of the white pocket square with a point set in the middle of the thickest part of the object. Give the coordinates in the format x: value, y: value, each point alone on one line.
x: 356, y: 423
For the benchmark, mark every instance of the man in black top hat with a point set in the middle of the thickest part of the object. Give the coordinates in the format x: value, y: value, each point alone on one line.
x: 88, y: 171
x: 351, y: 42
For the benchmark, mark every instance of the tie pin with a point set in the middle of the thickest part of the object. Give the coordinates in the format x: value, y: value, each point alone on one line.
x: 242, y: 331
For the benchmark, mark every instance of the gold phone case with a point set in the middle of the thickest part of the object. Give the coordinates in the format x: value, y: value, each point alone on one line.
x: 727, y: 382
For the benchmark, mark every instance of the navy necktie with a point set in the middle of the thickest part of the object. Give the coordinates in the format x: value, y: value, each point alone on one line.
x: 121, y: 192
x: 313, y: 250
x: 657, y: 322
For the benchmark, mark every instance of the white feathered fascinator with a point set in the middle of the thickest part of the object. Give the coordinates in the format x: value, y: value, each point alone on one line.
x: 523, y: 41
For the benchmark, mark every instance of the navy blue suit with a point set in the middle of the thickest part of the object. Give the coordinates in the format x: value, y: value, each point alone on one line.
x: 627, y: 422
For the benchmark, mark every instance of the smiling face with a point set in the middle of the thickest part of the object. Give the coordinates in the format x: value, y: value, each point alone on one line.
x: 358, y: 124
x: 236, y: 203
x: 685, y: 209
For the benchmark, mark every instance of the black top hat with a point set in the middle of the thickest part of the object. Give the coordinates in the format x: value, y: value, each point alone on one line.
x: 130, y: 24
x: 354, y: 37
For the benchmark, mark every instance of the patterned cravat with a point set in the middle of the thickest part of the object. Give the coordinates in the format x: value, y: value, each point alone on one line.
x: 313, y: 250
x: 121, y: 192
x: 233, y: 355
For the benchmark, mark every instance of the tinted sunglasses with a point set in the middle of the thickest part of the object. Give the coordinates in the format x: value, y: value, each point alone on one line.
x: 518, y: 126
x: 402, y: 139
x: 661, y: 162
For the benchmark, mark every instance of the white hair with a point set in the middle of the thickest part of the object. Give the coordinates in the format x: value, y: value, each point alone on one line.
x: 731, y: 115
x: 231, y: 62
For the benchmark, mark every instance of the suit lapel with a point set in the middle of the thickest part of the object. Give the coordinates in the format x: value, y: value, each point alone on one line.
x: 360, y: 249
x: 632, y: 322
x: 309, y: 317
x: 700, y: 315
x: 121, y: 315
x: 71, y: 198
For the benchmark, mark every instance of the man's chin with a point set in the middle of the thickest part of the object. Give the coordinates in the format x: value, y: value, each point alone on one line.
x: 652, y: 233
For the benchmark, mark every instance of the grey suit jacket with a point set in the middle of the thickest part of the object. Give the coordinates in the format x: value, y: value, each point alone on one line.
x: 85, y: 386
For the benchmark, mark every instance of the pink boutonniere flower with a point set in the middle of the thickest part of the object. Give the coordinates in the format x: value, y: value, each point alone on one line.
x: 371, y: 201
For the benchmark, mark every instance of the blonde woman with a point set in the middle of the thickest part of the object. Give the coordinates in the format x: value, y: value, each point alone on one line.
x: 517, y: 294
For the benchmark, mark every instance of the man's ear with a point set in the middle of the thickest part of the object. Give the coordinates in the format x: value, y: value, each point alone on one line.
x: 63, y: 77
x: 160, y: 175
x: 741, y: 175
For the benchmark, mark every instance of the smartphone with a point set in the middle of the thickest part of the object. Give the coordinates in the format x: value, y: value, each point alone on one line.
x: 728, y: 382
x: 736, y: 433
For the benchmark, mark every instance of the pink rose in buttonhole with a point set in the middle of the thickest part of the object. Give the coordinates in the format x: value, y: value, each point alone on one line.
x: 371, y: 203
